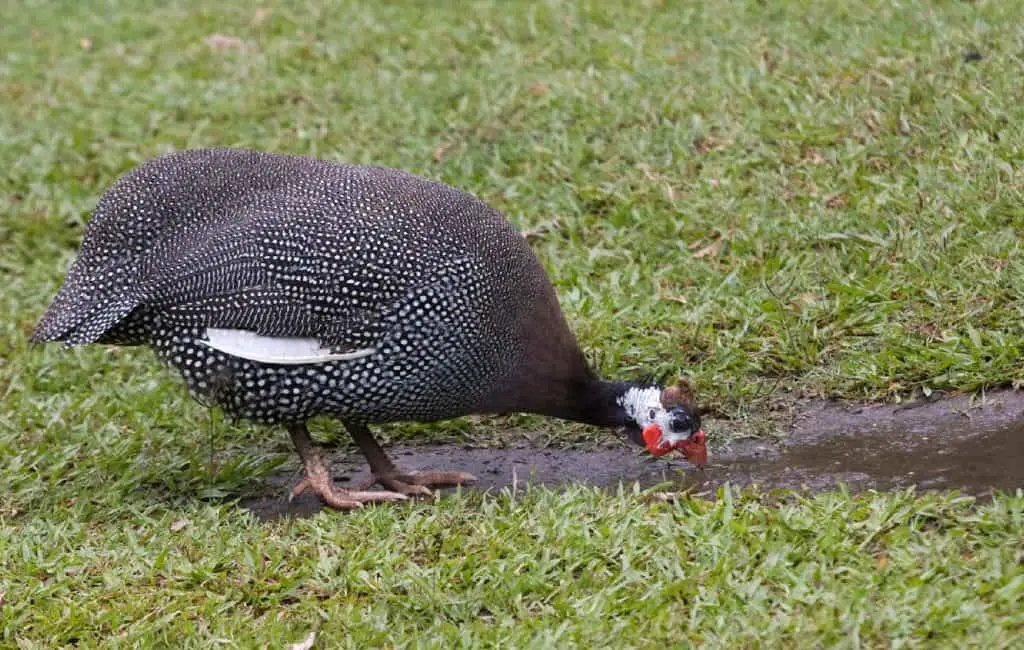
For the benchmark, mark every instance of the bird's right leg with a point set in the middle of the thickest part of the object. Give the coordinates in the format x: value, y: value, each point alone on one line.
x: 384, y: 472
x: 319, y: 478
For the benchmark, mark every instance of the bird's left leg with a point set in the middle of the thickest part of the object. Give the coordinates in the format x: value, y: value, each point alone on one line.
x: 390, y: 477
x: 318, y: 478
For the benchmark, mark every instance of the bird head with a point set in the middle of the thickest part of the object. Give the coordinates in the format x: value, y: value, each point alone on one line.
x: 666, y: 419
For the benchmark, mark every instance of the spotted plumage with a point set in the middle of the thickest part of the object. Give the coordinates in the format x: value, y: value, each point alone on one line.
x: 284, y: 287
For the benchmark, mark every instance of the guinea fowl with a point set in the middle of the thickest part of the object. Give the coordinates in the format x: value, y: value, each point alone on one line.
x: 284, y: 287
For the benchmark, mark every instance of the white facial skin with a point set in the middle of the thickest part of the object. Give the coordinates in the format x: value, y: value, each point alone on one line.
x: 643, y: 406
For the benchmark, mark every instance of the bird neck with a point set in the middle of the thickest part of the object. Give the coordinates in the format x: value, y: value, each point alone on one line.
x: 568, y: 391
x: 590, y: 400
x: 601, y: 403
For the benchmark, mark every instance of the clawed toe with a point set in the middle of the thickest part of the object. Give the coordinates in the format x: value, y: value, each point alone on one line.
x: 318, y: 479
x: 397, y: 484
x: 298, y: 489
x: 439, y: 479
x: 418, y: 483
x: 340, y: 499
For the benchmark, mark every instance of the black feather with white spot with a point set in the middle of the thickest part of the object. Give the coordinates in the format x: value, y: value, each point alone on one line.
x: 442, y: 287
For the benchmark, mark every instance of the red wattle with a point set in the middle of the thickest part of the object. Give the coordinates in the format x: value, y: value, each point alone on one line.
x: 652, y: 439
x: 695, y: 449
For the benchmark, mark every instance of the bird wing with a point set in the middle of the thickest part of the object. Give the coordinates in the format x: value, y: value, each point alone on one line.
x: 273, y: 311
x: 260, y: 281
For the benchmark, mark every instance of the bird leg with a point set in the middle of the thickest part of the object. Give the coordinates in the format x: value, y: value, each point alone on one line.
x: 384, y: 472
x: 319, y: 478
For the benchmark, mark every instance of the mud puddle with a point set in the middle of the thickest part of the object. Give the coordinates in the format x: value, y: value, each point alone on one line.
x: 977, y: 447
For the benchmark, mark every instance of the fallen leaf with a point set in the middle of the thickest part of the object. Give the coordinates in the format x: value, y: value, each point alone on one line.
x: 646, y: 169
x: 540, y: 229
x: 704, y: 144
x: 220, y: 42
x: 807, y: 298
x: 305, y: 644
x: 813, y: 157
x: 261, y: 15
x: 663, y: 497
x: 2, y: 599
x: 837, y: 201
x: 179, y: 525
x: 539, y: 88
x: 440, y: 151
x: 882, y: 562
x: 871, y: 122
x: 904, y: 125
x: 927, y: 330
x: 711, y: 249
x: 85, y: 43
x: 670, y: 193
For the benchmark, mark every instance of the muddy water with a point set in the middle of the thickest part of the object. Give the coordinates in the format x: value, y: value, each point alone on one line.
x: 976, y: 460
x: 943, y: 445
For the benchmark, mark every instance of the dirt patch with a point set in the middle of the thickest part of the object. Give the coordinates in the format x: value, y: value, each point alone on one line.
x: 976, y: 445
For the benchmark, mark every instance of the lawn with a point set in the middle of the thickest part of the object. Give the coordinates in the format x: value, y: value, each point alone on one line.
x: 781, y: 200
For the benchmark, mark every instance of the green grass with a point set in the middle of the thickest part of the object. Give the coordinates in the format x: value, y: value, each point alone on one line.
x: 779, y: 199
x: 569, y: 569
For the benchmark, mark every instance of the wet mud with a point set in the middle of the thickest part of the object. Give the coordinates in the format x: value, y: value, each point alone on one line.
x: 975, y: 445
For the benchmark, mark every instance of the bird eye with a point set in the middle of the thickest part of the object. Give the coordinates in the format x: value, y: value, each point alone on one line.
x: 652, y: 414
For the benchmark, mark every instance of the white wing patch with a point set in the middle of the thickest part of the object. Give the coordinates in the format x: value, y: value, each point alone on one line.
x: 277, y: 350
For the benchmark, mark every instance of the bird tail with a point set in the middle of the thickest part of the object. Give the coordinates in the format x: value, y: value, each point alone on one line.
x: 80, y: 314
